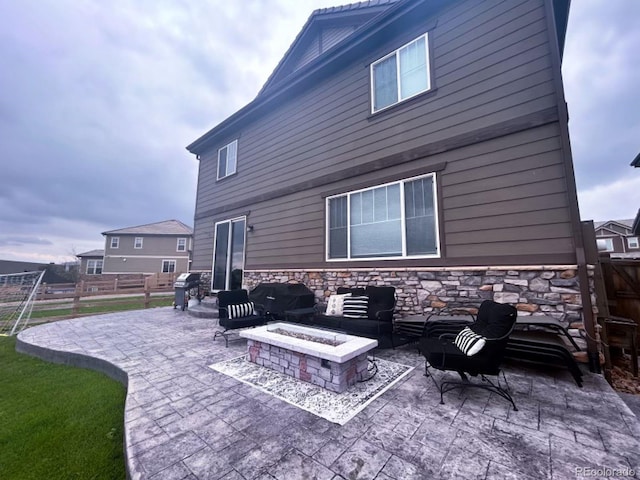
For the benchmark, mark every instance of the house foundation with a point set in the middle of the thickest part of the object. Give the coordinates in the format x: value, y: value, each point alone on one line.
x: 552, y: 290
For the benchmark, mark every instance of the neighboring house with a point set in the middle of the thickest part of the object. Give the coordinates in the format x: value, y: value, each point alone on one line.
x: 415, y: 143
x: 163, y: 247
x: 53, y: 273
x: 617, y: 238
x: 91, y: 262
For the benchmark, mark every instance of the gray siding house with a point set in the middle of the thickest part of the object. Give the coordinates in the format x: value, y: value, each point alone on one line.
x: 414, y: 143
x: 91, y: 262
x: 163, y: 247
x: 616, y: 238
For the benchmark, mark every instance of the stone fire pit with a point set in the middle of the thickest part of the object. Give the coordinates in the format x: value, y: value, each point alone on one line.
x: 322, y: 357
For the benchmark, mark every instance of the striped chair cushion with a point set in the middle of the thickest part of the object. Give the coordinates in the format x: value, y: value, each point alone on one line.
x: 241, y: 310
x: 355, y: 306
x: 469, y: 342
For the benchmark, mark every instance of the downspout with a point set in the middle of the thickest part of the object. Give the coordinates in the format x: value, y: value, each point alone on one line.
x: 581, y: 260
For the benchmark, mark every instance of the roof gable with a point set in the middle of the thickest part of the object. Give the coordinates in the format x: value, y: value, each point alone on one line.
x: 167, y: 227
x: 325, y: 28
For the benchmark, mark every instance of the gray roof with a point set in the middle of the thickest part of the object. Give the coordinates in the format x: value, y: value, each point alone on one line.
x: 628, y: 222
x: 353, y: 6
x: 92, y: 253
x: 168, y: 227
x: 636, y: 161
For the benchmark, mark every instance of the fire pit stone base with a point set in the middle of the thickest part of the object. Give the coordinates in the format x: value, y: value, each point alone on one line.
x: 333, y: 376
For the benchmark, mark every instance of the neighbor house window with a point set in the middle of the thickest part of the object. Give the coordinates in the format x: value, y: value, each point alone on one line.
x: 115, y: 242
x: 227, y: 157
x: 396, y: 220
x: 94, y: 267
x: 401, y: 74
x: 168, y: 266
x: 182, y: 245
x: 605, y: 244
x: 632, y: 242
x: 137, y: 243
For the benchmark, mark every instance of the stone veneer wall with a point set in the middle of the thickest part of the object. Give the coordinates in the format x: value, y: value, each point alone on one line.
x: 547, y: 290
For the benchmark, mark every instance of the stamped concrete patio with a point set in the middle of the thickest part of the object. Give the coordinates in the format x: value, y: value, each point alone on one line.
x: 186, y: 421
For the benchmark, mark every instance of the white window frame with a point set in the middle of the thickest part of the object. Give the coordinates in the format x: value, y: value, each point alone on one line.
x: 115, y: 242
x: 135, y: 243
x: 92, y: 266
x: 169, y: 262
x: 396, y: 53
x: 609, y: 247
x: 633, y: 242
x: 402, y: 222
x: 184, y: 244
x: 228, y: 173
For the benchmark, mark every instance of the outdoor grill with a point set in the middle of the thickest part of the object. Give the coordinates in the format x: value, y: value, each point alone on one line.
x: 183, y: 286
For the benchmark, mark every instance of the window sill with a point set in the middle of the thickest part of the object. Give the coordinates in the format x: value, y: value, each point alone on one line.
x: 402, y: 104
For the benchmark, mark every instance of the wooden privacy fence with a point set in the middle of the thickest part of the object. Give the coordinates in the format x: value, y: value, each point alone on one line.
x: 134, y: 285
x: 622, y: 284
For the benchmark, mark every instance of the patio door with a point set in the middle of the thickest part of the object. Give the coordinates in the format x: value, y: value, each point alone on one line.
x: 228, y: 254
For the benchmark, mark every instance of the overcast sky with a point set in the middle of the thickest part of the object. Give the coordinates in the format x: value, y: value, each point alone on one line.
x: 98, y: 100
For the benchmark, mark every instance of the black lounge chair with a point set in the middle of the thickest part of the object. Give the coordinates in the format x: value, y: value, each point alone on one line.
x: 237, y: 311
x: 543, y: 348
x: 494, y: 323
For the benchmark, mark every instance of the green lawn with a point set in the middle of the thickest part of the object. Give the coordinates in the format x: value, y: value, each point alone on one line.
x: 58, y: 422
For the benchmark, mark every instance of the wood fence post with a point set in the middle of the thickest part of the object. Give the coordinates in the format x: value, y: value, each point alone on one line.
x: 75, y: 310
x: 115, y: 285
x: 147, y: 293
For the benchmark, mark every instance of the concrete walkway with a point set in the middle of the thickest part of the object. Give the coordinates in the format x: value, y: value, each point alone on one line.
x: 186, y: 421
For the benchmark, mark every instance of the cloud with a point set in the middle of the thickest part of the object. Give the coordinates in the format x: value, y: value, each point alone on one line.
x: 617, y: 200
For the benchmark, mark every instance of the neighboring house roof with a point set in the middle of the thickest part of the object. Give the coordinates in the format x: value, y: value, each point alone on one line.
x: 349, y: 49
x: 636, y: 161
x: 635, y: 228
x: 91, y: 253
x: 626, y: 223
x: 168, y: 227
x: 12, y: 266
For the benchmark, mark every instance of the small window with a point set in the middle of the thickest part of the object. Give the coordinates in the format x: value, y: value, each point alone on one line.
x: 94, y: 267
x: 632, y: 242
x: 605, y: 244
x: 227, y: 159
x: 168, y: 266
x: 137, y: 243
x: 396, y: 220
x: 182, y: 245
x: 401, y: 75
x: 115, y: 242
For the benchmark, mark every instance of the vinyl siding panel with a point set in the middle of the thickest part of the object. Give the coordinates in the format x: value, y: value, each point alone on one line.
x: 505, y: 196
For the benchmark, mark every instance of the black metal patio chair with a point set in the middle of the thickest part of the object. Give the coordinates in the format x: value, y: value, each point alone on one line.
x: 236, y: 311
x: 477, y: 349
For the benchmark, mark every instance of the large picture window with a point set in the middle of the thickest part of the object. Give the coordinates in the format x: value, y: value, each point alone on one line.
x: 227, y: 159
x: 401, y: 74
x: 396, y: 220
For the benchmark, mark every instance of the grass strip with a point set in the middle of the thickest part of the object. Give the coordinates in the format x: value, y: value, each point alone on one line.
x: 58, y: 422
x: 99, y: 307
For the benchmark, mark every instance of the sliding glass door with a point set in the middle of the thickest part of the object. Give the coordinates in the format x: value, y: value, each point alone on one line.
x: 228, y: 254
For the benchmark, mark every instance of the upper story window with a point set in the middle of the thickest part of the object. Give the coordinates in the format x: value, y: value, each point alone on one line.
x: 182, y: 245
x: 605, y: 244
x: 396, y: 220
x: 401, y: 74
x: 227, y: 159
x: 115, y: 242
x: 137, y: 243
x: 632, y: 242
